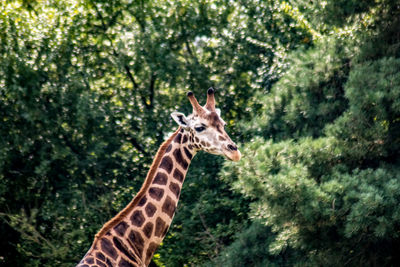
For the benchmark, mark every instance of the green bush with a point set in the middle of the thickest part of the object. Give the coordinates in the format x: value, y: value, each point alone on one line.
x: 251, y: 248
x: 317, y: 205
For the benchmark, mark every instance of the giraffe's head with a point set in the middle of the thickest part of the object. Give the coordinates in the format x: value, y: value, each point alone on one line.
x: 206, y: 128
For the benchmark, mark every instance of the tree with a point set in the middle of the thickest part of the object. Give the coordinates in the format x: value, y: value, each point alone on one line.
x: 86, y: 92
x: 321, y: 165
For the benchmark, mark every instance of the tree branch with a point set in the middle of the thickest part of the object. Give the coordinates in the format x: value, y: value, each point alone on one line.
x: 192, y: 55
x: 151, y: 89
x: 207, y: 231
x: 148, y: 103
x: 130, y: 76
x: 136, y: 145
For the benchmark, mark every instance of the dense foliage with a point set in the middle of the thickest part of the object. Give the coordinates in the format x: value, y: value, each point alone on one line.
x: 321, y: 166
x: 311, y: 89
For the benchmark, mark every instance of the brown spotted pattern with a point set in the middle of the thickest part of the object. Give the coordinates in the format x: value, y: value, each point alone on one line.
x: 134, y: 240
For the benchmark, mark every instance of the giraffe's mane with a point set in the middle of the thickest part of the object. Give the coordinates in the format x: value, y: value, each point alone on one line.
x: 149, y: 178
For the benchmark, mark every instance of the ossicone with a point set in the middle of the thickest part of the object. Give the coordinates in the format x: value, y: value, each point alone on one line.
x: 210, y: 105
x: 196, y: 106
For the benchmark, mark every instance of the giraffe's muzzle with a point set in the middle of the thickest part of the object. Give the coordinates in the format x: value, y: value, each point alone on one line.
x: 233, y: 153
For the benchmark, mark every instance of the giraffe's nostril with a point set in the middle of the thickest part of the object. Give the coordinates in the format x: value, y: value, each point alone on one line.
x: 232, y: 147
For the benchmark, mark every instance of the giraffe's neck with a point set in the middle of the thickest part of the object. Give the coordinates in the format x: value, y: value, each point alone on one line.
x: 131, y: 237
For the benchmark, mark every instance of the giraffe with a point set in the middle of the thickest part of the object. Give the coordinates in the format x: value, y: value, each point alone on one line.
x: 133, y: 235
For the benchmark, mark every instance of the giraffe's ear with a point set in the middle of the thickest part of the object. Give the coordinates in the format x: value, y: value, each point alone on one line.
x: 181, y: 119
x: 218, y: 111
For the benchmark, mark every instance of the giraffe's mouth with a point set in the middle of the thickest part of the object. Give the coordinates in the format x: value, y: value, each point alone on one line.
x: 234, y: 155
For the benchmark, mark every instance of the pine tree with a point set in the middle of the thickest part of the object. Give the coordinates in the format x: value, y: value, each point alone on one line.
x: 321, y: 166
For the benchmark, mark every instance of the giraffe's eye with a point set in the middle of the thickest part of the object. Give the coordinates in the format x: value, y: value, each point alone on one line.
x: 199, y: 128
